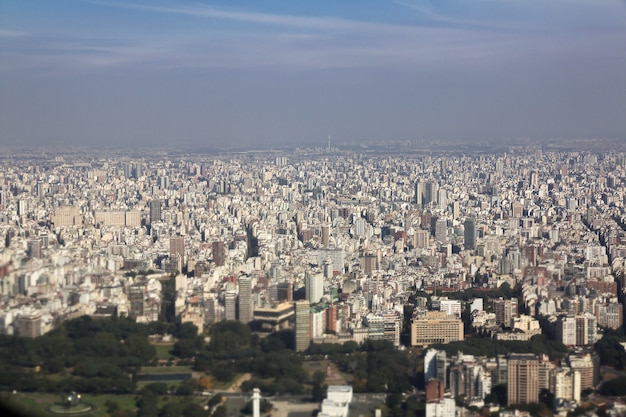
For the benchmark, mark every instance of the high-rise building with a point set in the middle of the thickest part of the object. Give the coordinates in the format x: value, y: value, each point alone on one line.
x: 336, y: 255
x: 177, y: 246
x: 34, y: 248
x: 522, y: 381
x: 505, y: 310
x: 303, y: 325
x: 128, y: 170
x: 455, y: 209
x: 325, y: 235
x: 22, y: 207
x: 565, y: 383
x: 566, y: 330
x: 230, y: 305
x: 586, y: 329
x: 441, y: 230
x: 430, y: 192
x: 442, y: 198
x: 314, y: 286
x: 434, y: 390
x: 138, y: 171
x: 469, y: 234
x: 610, y: 315
x: 284, y: 291
x: 219, y: 253
x: 436, y: 366
x: 331, y: 318
x: 588, y: 368
x: 419, y: 194
x: 246, y: 307
x: 210, y: 307
x: 28, y: 325
x: 136, y: 298
x: 421, y: 239
x: 155, y: 211
x: 368, y: 263
x: 360, y: 226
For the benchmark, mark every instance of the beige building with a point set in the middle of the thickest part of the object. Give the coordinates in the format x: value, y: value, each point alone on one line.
x: 523, y: 379
x: 436, y: 327
x: 110, y: 218
x: 66, y: 216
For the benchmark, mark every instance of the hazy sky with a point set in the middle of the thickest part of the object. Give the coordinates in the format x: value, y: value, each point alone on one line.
x: 152, y: 71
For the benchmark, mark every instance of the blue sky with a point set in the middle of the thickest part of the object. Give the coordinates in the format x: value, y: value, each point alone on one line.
x: 141, y: 72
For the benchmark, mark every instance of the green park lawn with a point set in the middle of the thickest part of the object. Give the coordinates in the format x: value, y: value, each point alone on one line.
x: 163, y: 351
x: 36, y: 404
x: 165, y: 369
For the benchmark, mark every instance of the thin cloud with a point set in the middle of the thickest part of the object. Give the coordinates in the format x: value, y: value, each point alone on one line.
x: 326, y: 23
x: 8, y: 33
x: 293, y: 42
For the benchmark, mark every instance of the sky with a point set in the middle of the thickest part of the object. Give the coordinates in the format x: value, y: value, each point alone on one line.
x: 154, y: 72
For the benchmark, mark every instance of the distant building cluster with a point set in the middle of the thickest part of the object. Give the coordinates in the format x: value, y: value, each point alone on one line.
x: 334, y: 245
x: 471, y: 379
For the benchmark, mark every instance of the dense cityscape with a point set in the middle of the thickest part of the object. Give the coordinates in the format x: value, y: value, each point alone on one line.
x: 467, y: 262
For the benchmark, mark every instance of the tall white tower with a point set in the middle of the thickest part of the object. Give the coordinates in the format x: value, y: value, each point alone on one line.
x: 256, y: 402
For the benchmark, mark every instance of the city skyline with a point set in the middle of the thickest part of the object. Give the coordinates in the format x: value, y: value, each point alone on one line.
x: 209, y: 73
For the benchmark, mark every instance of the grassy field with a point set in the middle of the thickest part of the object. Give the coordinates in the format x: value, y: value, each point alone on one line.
x: 36, y: 404
x: 163, y: 350
x: 165, y: 369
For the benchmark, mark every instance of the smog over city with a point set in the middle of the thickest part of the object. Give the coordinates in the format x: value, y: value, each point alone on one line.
x: 321, y: 208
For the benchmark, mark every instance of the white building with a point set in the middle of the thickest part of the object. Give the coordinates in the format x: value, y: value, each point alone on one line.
x: 443, y: 408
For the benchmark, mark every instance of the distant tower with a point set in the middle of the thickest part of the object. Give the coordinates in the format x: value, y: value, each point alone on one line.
x: 329, y: 141
x: 469, y: 235
x: 218, y: 253
x: 177, y: 252
x: 177, y: 246
x: 303, y: 324
x: 230, y: 305
x: 29, y: 325
x: 325, y: 235
x: 128, y: 170
x: 430, y: 192
x: 284, y: 291
x: 34, y: 248
x: 419, y: 193
x: 314, y: 287
x: 155, y: 211
x: 22, y: 207
x: 523, y: 378
x: 245, y: 299
x: 256, y: 402
x: 441, y: 230
x: 442, y: 198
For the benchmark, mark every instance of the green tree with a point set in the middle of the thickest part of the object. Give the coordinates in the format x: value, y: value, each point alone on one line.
x: 111, y: 406
x: 317, y: 391
x: 214, y: 400
x: 614, y: 387
x: 147, y: 405
x: 173, y: 409
x: 157, y: 388
x: 186, y: 331
x: 220, y: 411
x: 185, y: 348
